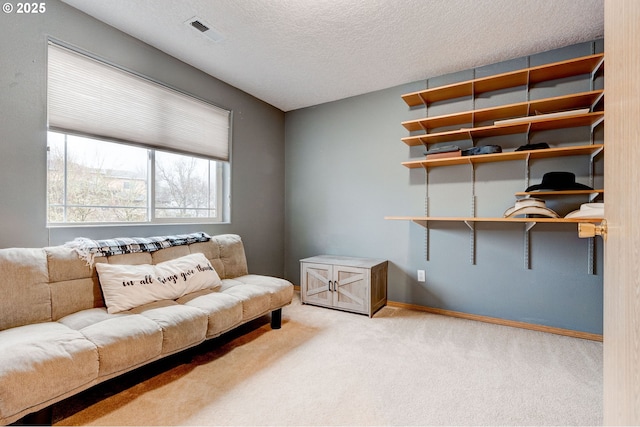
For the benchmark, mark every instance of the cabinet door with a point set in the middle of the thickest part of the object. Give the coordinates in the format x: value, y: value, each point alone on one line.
x: 351, y: 288
x: 316, y: 284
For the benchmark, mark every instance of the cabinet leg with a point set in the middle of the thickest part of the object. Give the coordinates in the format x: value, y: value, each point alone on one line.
x: 276, y: 319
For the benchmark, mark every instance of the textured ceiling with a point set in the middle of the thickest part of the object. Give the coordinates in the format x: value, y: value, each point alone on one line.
x: 299, y: 53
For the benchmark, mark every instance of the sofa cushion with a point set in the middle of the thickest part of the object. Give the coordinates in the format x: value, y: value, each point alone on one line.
x: 128, y: 259
x: 211, y: 250
x: 124, y: 342
x: 84, y: 318
x: 24, y: 291
x: 128, y: 286
x: 40, y: 362
x: 231, y: 254
x: 75, y: 295
x: 280, y: 290
x: 182, y: 326
x: 74, y: 284
x: 256, y: 300
x: 167, y: 254
x: 223, y: 311
x: 65, y: 264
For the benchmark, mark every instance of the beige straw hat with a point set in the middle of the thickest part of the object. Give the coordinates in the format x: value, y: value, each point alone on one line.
x: 530, y: 206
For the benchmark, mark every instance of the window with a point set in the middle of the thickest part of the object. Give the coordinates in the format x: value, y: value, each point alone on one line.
x: 95, y: 181
x: 124, y: 149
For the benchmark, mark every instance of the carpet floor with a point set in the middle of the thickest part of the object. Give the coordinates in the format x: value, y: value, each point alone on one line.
x: 327, y: 367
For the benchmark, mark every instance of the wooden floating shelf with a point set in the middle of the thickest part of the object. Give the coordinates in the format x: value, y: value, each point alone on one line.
x: 559, y: 192
x: 521, y: 109
x: 506, y: 156
x: 424, y: 219
x: 527, y: 76
x: 532, y: 124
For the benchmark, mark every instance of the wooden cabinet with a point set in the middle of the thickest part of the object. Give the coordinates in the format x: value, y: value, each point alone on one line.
x: 346, y: 283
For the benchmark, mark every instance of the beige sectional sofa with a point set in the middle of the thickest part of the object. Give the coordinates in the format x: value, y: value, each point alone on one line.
x: 57, y: 337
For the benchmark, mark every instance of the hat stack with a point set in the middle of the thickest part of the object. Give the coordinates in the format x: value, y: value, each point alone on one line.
x: 530, y: 207
x: 554, y: 181
x: 558, y: 181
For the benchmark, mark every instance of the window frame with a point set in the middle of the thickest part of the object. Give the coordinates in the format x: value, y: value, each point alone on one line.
x: 221, y: 195
x: 223, y: 199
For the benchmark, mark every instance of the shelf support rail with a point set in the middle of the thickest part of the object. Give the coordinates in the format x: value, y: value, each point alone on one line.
x: 592, y: 172
x: 527, y: 170
x: 528, y: 225
x: 591, y: 255
x: 472, y: 224
x: 426, y: 213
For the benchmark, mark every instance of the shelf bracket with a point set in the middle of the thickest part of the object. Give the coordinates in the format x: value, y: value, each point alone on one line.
x: 595, y: 125
x: 598, y: 99
x: 596, y: 153
x: 527, y: 244
x: 592, y: 170
x: 592, y: 160
x: 472, y: 241
x: 594, y: 72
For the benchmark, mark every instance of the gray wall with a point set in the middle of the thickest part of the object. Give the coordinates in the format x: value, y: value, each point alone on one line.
x: 343, y: 176
x: 257, y: 209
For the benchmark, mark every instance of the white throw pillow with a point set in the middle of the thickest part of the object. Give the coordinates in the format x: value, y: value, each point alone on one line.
x: 128, y: 286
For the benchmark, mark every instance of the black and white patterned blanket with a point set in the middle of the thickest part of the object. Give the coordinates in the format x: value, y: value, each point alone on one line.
x: 89, y: 249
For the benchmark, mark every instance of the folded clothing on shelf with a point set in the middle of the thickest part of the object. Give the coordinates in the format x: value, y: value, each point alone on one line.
x: 442, y: 149
x: 443, y: 152
x: 484, y: 149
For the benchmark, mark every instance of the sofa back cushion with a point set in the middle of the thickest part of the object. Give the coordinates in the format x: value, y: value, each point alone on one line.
x: 24, y: 289
x: 75, y: 286
x: 226, y: 254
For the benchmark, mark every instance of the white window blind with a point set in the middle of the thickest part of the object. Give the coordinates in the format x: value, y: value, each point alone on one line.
x: 94, y: 98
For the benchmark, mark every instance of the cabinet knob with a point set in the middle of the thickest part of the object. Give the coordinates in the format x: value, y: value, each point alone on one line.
x: 591, y: 230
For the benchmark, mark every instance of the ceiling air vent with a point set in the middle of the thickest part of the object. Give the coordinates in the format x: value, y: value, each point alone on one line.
x: 205, y: 29
x: 199, y: 26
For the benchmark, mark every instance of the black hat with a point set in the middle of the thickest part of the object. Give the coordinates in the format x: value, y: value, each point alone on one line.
x: 559, y: 181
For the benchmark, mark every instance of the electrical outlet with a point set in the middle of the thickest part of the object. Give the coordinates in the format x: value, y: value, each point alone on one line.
x: 421, y: 277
